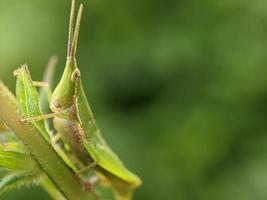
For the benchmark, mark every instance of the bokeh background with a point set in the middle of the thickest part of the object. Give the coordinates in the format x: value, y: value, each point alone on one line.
x: 178, y: 87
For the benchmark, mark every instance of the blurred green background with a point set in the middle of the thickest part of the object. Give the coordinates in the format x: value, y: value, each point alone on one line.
x: 178, y: 87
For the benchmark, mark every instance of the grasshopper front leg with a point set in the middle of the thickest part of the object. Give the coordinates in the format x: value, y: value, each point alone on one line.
x: 46, y: 91
x: 49, y: 94
x: 46, y: 88
x: 40, y: 117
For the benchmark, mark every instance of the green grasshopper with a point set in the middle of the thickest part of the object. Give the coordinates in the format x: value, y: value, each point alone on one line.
x: 74, y: 121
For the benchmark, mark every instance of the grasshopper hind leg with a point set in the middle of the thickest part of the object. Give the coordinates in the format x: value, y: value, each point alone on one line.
x: 88, y: 167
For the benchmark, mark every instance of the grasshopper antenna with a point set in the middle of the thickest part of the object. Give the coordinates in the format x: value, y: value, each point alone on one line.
x: 71, y: 27
x: 76, y: 32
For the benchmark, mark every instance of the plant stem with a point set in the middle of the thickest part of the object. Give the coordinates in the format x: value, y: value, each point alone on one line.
x: 41, y: 151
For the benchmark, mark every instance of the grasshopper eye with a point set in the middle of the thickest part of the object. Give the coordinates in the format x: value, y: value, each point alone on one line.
x: 58, y: 106
x: 75, y: 75
x: 55, y: 106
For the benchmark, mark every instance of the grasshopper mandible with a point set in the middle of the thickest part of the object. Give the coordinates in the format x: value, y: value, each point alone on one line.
x: 74, y: 120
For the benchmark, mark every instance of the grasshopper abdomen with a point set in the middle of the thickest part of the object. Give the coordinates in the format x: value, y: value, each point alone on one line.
x: 78, y: 132
x: 72, y: 134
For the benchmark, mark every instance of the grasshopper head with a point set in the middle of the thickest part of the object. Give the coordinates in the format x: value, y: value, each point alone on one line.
x: 63, y: 96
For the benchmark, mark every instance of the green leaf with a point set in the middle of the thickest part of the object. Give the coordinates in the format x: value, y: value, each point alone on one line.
x: 13, y: 160
x: 14, y: 156
x: 45, y: 92
x: 28, y: 99
x: 14, y: 146
x: 8, y: 136
x: 17, y: 180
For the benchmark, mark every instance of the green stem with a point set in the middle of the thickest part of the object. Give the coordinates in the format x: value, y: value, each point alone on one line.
x: 51, y: 189
x: 42, y: 152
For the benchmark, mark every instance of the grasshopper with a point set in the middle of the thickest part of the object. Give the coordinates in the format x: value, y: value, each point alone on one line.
x: 74, y: 121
